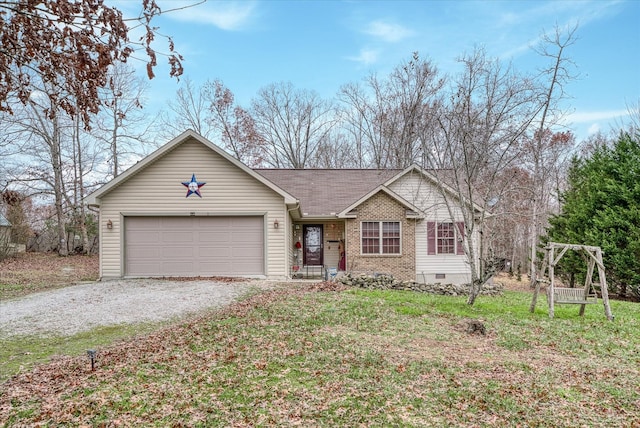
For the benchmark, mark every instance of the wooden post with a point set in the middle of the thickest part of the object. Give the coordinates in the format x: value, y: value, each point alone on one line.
x: 603, y: 285
x: 536, y: 291
x: 595, y: 259
x: 552, y: 264
x: 588, y: 280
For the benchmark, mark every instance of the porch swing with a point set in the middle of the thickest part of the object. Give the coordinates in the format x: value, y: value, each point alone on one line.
x: 573, y: 296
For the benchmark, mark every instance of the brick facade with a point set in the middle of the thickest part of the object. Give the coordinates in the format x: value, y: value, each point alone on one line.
x: 382, y: 207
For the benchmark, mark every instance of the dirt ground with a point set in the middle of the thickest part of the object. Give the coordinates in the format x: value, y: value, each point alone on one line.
x: 511, y: 282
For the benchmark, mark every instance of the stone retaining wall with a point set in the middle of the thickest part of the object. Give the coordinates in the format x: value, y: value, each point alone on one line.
x: 383, y: 282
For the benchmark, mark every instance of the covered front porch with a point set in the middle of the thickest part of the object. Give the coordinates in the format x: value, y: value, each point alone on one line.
x: 318, y: 249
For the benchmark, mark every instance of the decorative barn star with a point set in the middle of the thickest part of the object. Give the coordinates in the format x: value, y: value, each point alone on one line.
x: 193, y: 186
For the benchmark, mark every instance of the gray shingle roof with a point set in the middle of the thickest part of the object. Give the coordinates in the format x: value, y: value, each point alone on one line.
x: 324, y: 192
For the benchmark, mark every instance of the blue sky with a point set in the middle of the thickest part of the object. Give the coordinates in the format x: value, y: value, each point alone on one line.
x: 322, y: 45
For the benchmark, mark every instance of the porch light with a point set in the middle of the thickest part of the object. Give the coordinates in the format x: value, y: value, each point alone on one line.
x: 276, y: 224
x: 109, y: 224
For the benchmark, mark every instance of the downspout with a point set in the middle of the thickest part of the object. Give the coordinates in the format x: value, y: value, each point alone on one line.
x: 96, y: 209
x: 297, y: 207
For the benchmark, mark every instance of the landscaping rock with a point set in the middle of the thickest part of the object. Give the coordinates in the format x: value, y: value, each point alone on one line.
x: 387, y: 282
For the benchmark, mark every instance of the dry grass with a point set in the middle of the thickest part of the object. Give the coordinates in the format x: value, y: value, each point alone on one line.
x: 321, y: 355
x: 32, y: 272
x: 305, y: 356
x: 512, y: 283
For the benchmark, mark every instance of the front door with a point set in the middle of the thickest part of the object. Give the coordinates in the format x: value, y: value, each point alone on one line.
x: 312, y: 236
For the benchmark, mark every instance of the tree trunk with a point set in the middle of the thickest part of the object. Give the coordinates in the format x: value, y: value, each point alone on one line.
x: 82, y: 224
x: 533, y: 270
x: 558, y: 75
x: 58, y: 189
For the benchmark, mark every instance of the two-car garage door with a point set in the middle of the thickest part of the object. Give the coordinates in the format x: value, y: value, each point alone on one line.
x: 194, y: 246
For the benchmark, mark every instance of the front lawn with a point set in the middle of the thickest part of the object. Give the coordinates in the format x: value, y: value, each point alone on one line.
x: 305, y: 357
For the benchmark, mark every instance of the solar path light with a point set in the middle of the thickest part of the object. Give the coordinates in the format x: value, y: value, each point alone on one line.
x: 92, y: 356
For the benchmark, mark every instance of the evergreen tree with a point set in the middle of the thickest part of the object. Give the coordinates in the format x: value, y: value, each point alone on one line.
x: 601, y: 207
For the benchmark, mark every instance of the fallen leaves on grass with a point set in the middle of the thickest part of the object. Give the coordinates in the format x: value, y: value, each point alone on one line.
x: 328, y: 286
x: 32, y: 272
x: 56, y: 389
x: 295, y: 356
x: 225, y: 279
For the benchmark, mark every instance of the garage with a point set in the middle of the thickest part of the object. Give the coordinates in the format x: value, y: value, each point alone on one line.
x: 190, y: 209
x: 194, y: 246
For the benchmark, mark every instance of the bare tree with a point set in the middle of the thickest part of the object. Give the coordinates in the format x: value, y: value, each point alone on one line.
x: 385, y: 115
x: 356, y: 119
x: 292, y: 122
x: 509, y: 229
x: 336, y: 152
x: 81, y: 156
x: 189, y: 110
x: 11, y: 145
x: 55, y: 158
x: 554, y: 77
x: 235, y: 127
x: 506, y: 231
x: 121, y: 126
x: 45, y: 167
x: 211, y: 111
x: 479, y: 127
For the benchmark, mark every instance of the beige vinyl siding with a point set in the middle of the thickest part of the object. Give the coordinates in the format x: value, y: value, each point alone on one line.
x: 455, y: 267
x: 331, y: 254
x: 426, y: 196
x: 157, y: 190
x: 423, y: 195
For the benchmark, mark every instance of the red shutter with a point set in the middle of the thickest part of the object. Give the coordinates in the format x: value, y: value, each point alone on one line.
x: 460, y: 240
x: 431, y: 238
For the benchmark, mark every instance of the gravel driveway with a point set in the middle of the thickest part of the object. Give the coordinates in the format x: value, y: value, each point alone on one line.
x: 77, y: 308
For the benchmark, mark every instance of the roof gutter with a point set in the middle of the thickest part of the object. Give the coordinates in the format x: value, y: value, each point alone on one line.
x: 319, y: 217
x: 296, y: 207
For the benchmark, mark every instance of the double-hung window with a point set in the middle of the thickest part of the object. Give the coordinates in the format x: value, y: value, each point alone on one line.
x: 445, y: 238
x: 380, y: 237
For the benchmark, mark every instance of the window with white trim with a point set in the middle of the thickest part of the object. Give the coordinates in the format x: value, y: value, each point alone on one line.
x: 445, y: 238
x: 380, y: 237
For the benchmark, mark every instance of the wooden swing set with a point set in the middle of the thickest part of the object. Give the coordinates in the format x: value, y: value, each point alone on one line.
x: 575, y: 296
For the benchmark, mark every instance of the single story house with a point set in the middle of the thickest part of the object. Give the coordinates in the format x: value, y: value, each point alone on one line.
x: 190, y: 209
